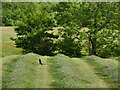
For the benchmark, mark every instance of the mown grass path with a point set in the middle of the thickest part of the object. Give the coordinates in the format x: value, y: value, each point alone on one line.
x: 43, y: 76
x: 88, y: 74
x: 7, y: 46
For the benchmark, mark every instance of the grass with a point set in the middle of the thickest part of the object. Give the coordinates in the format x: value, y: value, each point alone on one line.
x: 19, y: 71
x: 24, y: 71
x: 43, y: 75
x: 74, y: 73
x: 8, y: 65
x: 0, y: 73
x: 60, y: 71
x: 107, y: 68
x: 8, y: 46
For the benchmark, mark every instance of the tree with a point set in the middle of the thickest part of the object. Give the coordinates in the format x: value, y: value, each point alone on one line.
x: 95, y: 16
x: 32, y: 35
x: 12, y: 13
x: 86, y: 27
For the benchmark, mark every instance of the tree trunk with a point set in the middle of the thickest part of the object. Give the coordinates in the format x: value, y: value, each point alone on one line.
x: 90, y: 40
x: 93, y: 38
x: 92, y: 49
x: 94, y: 46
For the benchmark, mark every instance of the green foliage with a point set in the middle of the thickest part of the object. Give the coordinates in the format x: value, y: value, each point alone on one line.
x: 69, y: 47
x: 35, y: 20
x: 38, y: 43
x: 94, y: 16
x: 32, y: 35
x: 108, y: 43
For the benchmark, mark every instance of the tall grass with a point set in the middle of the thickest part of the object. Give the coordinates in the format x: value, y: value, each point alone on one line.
x: 107, y: 68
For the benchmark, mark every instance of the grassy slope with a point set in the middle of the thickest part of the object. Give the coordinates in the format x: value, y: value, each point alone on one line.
x: 75, y: 72
x: 23, y: 71
x: 19, y: 71
x: 107, y: 68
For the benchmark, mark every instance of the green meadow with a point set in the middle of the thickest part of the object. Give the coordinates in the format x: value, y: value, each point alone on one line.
x: 8, y: 46
x: 59, y: 71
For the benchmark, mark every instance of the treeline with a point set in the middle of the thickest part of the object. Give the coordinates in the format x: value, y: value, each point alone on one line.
x: 71, y: 28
